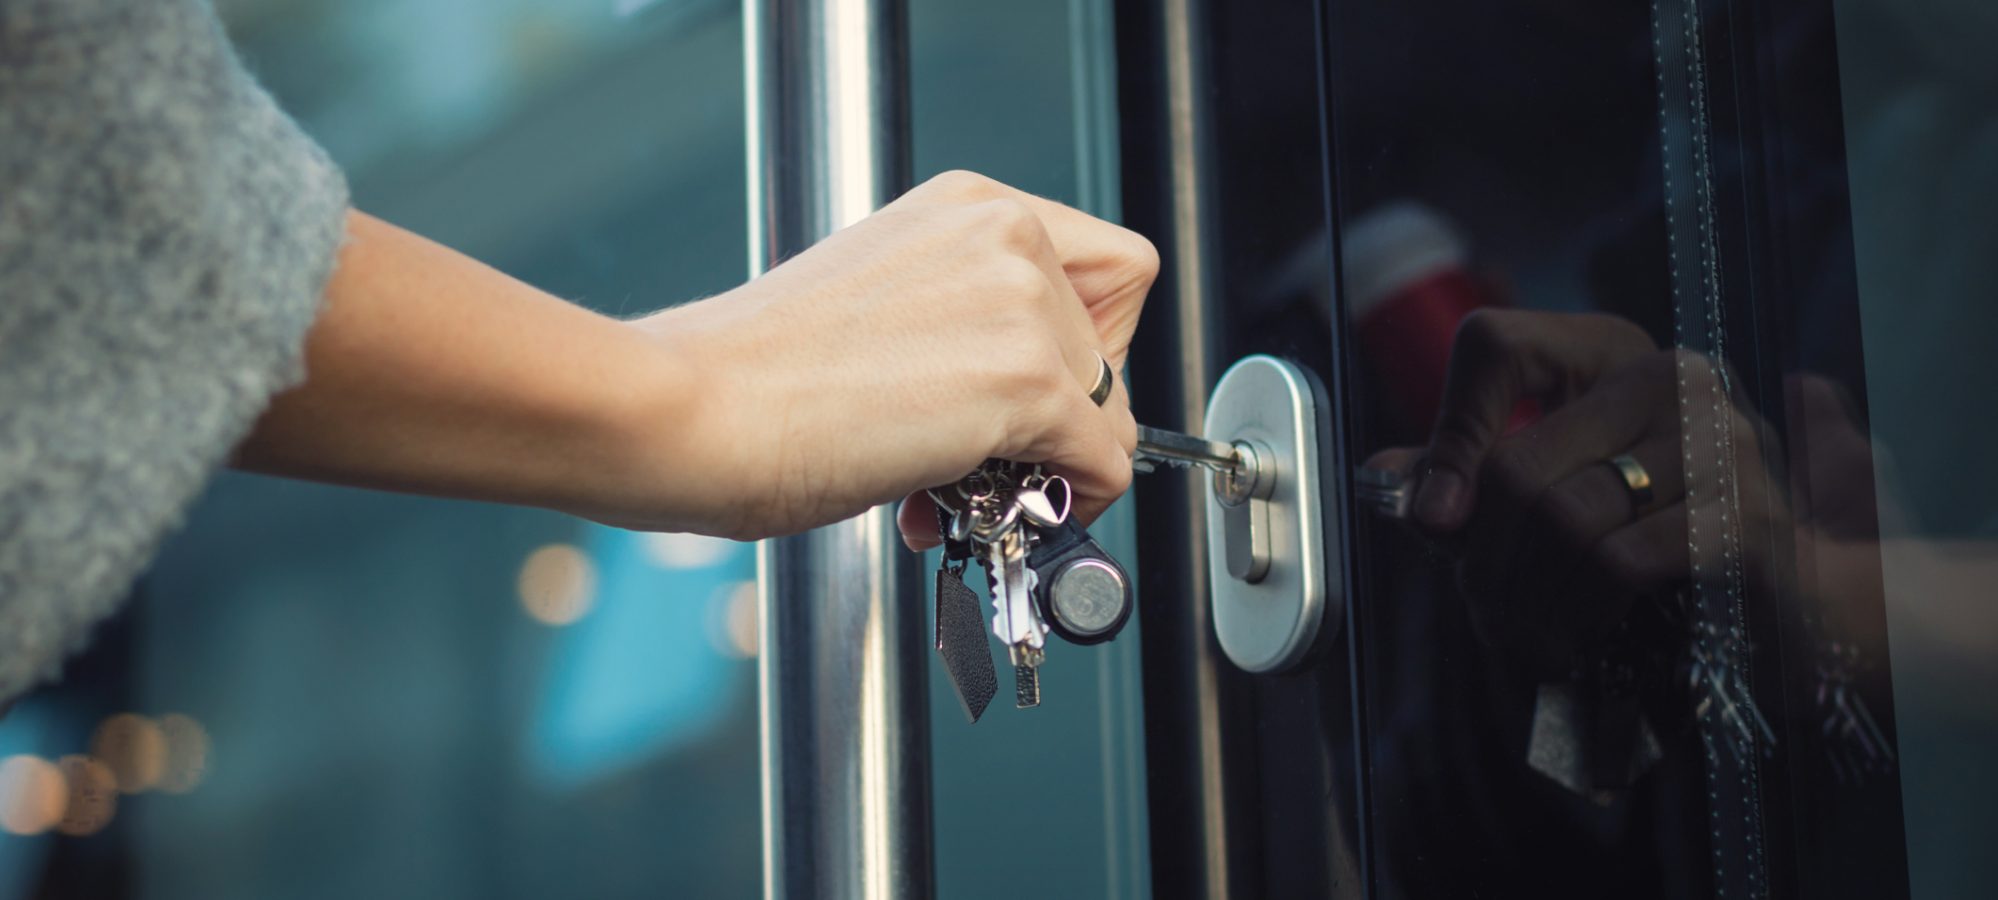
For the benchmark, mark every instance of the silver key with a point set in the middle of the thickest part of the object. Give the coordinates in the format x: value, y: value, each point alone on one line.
x: 1016, y: 620
x: 1158, y: 446
x: 1234, y: 465
x: 993, y: 507
x: 1026, y: 686
x: 1388, y: 493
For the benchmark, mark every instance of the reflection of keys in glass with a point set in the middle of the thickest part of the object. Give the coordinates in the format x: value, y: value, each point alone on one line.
x: 1721, y: 692
x: 1856, y: 745
x: 1388, y: 493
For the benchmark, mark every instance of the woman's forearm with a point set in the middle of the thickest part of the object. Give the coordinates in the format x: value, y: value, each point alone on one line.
x: 962, y: 321
x: 430, y: 372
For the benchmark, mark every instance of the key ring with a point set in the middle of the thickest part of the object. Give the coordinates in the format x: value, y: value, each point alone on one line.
x: 978, y: 477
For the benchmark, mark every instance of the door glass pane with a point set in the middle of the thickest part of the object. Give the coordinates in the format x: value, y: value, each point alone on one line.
x: 1738, y: 249
x: 339, y: 694
x: 1921, y: 149
x: 1026, y: 93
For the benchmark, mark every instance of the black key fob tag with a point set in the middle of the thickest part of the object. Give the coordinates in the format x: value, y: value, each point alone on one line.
x: 1083, y: 594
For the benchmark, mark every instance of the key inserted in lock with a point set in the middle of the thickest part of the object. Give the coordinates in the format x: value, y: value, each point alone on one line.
x: 1240, y: 481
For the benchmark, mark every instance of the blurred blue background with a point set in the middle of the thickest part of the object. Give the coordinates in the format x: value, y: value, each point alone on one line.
x: 348, y: 694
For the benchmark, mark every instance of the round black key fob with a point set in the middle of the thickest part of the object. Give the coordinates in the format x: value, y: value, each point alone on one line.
x: 1083, y: 594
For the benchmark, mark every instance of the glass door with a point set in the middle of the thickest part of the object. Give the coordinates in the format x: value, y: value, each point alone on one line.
x: 321, y: 692
x: 1672, y: 316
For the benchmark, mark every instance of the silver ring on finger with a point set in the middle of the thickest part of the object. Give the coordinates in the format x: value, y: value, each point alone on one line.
x: 1106, y: 381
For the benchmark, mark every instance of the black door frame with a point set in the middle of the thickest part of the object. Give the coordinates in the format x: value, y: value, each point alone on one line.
x: 1254, y: 780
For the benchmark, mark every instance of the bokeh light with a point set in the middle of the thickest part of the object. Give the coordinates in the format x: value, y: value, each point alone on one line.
x: 134, y: 748
x: 33, y: 794
x: 186, y: 753
x: 732, y: 620
x: 92, y: 795
x: 557, y: 584
x: 688, y: 551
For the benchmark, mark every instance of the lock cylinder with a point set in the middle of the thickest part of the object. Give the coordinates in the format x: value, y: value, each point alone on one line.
x: 1244, y: 490
x: 1268, y: 535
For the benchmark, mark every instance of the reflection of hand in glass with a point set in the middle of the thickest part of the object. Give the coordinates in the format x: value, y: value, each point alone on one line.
x: 1552, y: 540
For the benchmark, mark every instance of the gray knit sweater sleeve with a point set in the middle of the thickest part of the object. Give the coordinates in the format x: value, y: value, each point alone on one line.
x: 165, y: 235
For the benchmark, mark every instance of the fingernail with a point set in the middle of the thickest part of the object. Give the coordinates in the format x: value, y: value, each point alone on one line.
x: 1436, y: 500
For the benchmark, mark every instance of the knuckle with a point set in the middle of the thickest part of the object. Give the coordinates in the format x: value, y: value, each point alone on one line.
x: 1105, y: 465
x: 1455, y: 448
x: 1622, y: 337
x: 1632, y: 339
x: 1141, y: 256
x: 1752, y: 436
x: 1051, y: 381
x: 1692, y: 364
x: 1700, y: 378
x: 1459, y: 440
x: 1118, y: 479
x: 1564, y: 508
x: 1662, y: 366
x: 1623, y: 559
x: 1127, y: 433
x: 1821, y: 396
x: 1040, y: 417
x: 1514, y: 467
x: 1652, y: 375
x: 960, y: 183
x: 1485, y: 330
x: 1014, y: 223
x: 1017, y: 280
x: 1033, y: 373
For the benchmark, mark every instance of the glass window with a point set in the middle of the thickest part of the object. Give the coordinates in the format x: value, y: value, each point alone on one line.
x: 1738, y: 246
x: 321, y: 692
x: 1026, y: 93
x: 1716, y: 618
x: 1921, y: 166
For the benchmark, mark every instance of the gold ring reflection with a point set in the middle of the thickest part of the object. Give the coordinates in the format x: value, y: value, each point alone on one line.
x: 1637, y: 481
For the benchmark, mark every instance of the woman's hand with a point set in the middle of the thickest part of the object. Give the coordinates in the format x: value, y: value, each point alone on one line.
x: 962, y: 321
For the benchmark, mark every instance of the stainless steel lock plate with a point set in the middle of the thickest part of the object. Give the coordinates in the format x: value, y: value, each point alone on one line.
x: 1268, y: 621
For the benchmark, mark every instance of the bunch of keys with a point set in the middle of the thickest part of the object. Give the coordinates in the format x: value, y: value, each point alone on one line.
x: 1047, y: 575
x: 1045, y: 572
